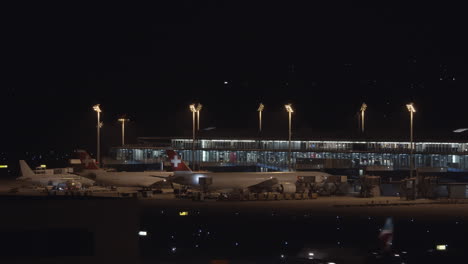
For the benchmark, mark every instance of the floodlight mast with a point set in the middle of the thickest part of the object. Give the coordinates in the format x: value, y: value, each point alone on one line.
x: 194, y: 111
x: 363, y: 110
x: 411, y: 110
x: 198, y: 108
x: 98, y: 110
x: 260, y: 110
x: 123, y: 120
x: 290, y: 111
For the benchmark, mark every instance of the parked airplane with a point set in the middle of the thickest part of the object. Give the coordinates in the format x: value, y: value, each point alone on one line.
x: 239, y: 181
x: 121, y: 179
x: 57, y: 180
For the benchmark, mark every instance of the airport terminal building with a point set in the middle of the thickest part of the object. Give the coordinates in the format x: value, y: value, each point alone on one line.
x: 272, y: 154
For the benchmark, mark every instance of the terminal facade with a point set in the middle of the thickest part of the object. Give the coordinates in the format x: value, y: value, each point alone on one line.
x: 305, y: 154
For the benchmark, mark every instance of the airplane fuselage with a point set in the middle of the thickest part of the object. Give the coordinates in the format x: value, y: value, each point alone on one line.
x: 240, y: 180
x: 126, y: 179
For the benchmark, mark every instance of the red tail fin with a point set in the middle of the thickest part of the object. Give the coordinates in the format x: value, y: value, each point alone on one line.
x: 87, y: 161
x: 176, y: 161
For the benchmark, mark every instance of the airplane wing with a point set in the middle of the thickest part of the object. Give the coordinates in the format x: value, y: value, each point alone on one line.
x: 265, y: 185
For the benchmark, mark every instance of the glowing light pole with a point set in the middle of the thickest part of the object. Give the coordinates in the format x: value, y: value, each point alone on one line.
x: 123, y: 120
x: 411, y: 110
x: 194, y: 111
x: 260, y: 109
x: 199, y: 108
x: 363, y: 110
x: 99, y: 125
x: 290, y: 111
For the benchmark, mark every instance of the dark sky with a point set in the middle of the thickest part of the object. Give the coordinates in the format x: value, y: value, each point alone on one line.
x: 150, y: 62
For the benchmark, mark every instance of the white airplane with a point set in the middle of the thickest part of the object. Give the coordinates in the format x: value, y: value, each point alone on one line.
x: 120, y: 179
x: 284, y: 182
x: 57, y: 180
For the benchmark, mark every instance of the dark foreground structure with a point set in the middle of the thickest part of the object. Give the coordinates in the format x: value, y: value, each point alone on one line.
x: 180, y: 231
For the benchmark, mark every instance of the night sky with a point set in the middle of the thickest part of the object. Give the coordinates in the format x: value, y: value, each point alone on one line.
x: 151, y: 62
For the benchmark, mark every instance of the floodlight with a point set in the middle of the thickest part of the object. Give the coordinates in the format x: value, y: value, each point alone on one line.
x: 260, y: 107
x: 411, y: 108
x: 192, y: 108
x: 363, y: 107
x: 97, y: 108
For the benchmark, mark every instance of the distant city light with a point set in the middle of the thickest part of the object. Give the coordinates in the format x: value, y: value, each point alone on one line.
x: 225, y: 82
x: 183, y: 213
x: 142, y: 233
x: 173, y: 249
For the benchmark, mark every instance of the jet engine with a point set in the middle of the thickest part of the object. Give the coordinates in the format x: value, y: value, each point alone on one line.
x: 288, y: 188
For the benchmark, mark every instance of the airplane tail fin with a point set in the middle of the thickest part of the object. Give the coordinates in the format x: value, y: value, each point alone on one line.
x: 177, y: 163
x: 86, y: 160
x: 386, y: 234
x: 25, y: 169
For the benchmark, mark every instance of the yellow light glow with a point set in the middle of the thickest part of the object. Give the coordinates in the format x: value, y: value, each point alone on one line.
x: 289, y: 108
x: 192, y: 108
x: 183, y: 213
x: 411, y: 108
x: 97, y: 108
x: 260, y: 107
x: 43, y: 166
x: 3, y: 166
x: 441, y: 247
x: 123, y: 119
x: 199, y: 107
x: 363, y: 107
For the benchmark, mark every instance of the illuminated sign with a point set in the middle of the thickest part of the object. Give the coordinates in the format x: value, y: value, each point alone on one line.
x: 183, y: 213
x: 43, y: 166
x: 3, y: 166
